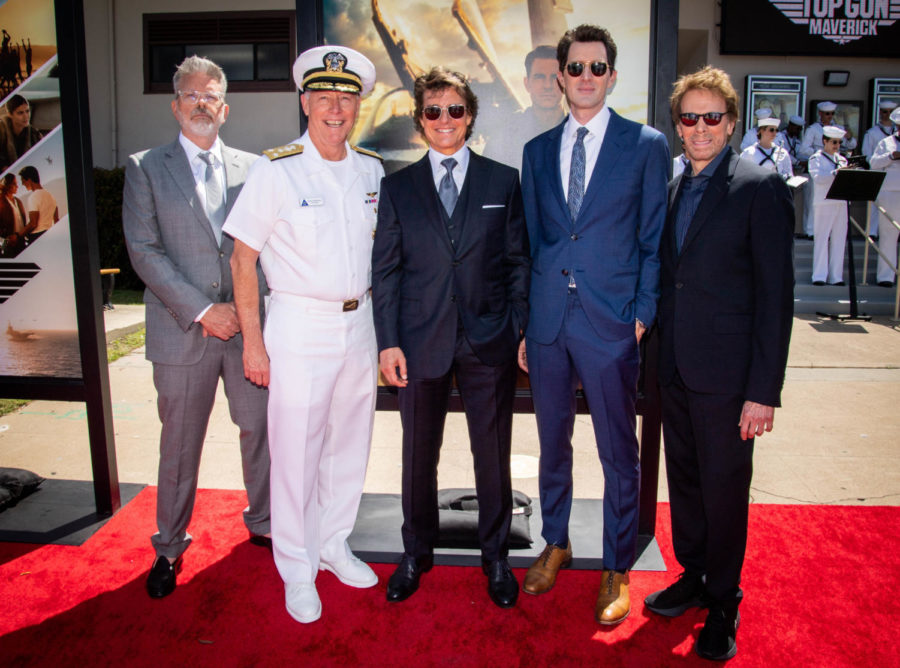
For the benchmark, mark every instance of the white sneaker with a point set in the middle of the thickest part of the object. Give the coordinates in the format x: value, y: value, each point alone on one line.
x: 302, y: 601
x: 352, y: 571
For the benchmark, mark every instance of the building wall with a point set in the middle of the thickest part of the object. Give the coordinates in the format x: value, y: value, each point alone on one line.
x: 704, y: 15
x: 125, y: 120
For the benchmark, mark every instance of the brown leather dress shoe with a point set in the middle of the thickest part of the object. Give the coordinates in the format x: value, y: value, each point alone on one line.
x: 541, y: 575
x: 613, y: 602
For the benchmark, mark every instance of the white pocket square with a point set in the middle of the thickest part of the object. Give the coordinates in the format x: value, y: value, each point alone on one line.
x: 492, y: 206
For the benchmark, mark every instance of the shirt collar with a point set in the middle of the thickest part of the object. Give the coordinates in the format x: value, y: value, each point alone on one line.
x: 711, y: 168
x: 436, y: 158
x: 192, y: 150
x: 596, y: 126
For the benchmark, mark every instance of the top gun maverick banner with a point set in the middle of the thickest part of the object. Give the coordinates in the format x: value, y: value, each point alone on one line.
x: 811, y: 27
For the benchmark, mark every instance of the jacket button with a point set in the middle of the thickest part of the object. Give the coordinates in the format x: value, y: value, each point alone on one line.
x: 453, y: 298
x: 679, y: 285
x: 221, y: 254
x: 216, y: 284
x: 565, y: 272
x: 574, y: 237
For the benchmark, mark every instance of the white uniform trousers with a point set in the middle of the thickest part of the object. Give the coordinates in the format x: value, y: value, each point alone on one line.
x: 887, y: 237
x: 874, y: 219
x: 830, y: 234
x: 323, y: 374
x: 809, y: 227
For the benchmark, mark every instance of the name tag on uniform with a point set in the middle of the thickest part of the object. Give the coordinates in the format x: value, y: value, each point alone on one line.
x: 311, y: 201
x: 493, y: 206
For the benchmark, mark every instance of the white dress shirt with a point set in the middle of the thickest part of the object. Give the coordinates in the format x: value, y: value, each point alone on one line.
x: 198, y: 167
x: 593, y: 140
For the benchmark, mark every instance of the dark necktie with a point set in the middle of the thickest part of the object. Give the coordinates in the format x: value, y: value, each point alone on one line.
x: 576, y: 174
x: 215, y: 207
x: 447, y: 188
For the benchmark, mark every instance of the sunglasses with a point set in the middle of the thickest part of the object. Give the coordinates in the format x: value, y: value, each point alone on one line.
x: 712, y: 118
x: 576, y: 68
x: 767, y: 129
x: 433, y: 112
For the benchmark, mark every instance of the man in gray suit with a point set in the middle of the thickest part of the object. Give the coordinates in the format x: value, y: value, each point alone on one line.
x: 175, y: 202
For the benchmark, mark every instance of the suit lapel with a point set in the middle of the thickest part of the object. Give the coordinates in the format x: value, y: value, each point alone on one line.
x: 613, y: 146
x: 476, y: 183
x: 552, y: 175
x: 423, y: 182
x: 715, y: 191
x: 234, y: 173
x: 177, y: 164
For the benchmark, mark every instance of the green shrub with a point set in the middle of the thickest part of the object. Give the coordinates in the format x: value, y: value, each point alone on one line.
x: 108, y: 185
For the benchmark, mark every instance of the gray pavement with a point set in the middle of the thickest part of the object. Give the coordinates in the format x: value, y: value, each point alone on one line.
x: 835, y: 438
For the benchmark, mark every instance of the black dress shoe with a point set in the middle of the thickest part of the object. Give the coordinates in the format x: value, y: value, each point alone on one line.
x: 261, y: 541
x: 717, y: 637
x: 161, y: 579
x: 685, y: 593
x: 405, y: 580
x: 839, y: 283
x: 502, y: 586
x: 885, y: 284
x: 818, y: 282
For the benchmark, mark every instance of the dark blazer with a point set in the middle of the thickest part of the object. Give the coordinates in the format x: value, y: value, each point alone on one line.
x: 613, y: 244
x: 726, y: 308
x: 421, y: 284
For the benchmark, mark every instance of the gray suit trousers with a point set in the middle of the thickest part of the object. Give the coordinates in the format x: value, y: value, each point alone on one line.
x: 185, y: 401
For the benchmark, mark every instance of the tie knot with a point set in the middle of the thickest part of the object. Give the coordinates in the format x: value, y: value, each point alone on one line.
x: 207, y: 157
x: 449, y: 164
x: 579, y: 134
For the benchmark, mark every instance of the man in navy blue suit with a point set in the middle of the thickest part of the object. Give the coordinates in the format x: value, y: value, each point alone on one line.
x: 450, y: 271
x: 595, y: 203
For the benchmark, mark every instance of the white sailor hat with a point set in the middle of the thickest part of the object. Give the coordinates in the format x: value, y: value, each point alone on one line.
x: 763, y: 112
x: 796, y: 120
x: 333, y: 67
x: 826, y: 106
x: 895, y: 116
x: 764, y: 122
x: 887, y: 105
x: 833, y: 131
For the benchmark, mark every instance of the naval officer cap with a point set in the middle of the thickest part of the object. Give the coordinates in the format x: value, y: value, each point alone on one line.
x: 796, y: 120
x: 763, y: 112
x: 895, y: 116
x: 887, y: 105
x: 826, y: 106
x: 833, y: 131
x: 766, y: 122
x: 333, y: 67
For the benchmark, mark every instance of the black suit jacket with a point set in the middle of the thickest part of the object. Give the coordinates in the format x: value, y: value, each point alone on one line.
x: 726, y: 303
x: 422, y: 286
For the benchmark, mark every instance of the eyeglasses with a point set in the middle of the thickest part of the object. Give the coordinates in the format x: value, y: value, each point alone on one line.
x: 712, y: 118
x: 768, y: 128
x: 576, y: 67
x: 827, y: 113
x: 433, y: 112
x: 196, y: 96
x: 832, y: 141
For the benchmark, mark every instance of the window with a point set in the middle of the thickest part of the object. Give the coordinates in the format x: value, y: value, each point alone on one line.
x: 256, y: 49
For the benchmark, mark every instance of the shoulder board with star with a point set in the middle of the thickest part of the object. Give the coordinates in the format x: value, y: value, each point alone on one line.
x: 371, y: 154
x: 283, y: 151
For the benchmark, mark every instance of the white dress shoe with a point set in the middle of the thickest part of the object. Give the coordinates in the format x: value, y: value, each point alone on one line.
x: 352, y: 571
x: 302, y: 601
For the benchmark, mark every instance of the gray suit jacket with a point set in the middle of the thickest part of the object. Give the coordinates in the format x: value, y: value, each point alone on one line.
x: 173, y: 248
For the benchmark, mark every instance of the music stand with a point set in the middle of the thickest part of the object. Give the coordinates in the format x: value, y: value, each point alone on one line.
x: 858, y: 185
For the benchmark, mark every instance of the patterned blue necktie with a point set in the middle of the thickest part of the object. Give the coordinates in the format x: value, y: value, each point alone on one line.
x: 447, y: 188
x: 576, y: 174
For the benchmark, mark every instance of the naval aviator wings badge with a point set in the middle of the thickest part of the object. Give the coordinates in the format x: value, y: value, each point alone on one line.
x: 372, y: 198
x: 840, y: 21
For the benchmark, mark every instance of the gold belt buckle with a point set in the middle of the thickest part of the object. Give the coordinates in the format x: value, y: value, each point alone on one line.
x: 351, y: 305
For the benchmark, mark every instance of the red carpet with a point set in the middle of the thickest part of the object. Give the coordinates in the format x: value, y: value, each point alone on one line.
x: 820, y: 586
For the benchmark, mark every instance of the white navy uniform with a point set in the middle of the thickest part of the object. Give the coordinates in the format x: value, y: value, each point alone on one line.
x: 812, y: 141
x: 775, y: 159
x: 313, y: 222
x: 870, y: 140
x: 830, y: 219
x: 889, y: 198
x: 789, y: 144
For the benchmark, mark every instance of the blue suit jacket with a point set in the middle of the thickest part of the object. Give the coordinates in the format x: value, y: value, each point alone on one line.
x: 612, y: 246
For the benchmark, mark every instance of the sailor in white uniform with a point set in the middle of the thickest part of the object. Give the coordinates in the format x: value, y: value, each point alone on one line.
x: 790, y: 139
x: 765, y: 153
x: 751, y: 134
x: 830, y: 216
x: 883, y: 128
x: 308, y: 213
x: 886, y: 157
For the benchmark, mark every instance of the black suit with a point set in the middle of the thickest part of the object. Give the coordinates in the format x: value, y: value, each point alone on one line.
x: 725, y: 318
x: 451, y: 293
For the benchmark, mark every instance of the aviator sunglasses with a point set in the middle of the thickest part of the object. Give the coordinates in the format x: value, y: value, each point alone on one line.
x: 711, y: 118
x: 576, y: 67
x: 433, y: 112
